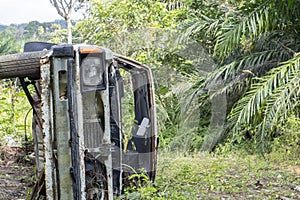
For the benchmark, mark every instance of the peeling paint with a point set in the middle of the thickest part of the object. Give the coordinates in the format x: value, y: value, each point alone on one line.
x: 47, y: 130
x: 84, y: 122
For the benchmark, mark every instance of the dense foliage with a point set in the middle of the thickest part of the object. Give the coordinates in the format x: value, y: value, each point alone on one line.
x: 226, y: 72
x: 238, y: 81
x: 256, y: 45
x: 15, y: 115
x: 14, y: 108
x: 226, y: 80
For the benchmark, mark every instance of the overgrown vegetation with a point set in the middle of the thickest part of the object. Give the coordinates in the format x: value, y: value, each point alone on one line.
x: 227, y: 81
x: 14, y: 109
x: 230, y: 176
x: 226, y: 72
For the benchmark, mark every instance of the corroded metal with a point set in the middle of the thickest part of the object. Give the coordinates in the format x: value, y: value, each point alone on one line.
x: 47, y: 113
x: 62, y: 127
x: 82, y: 129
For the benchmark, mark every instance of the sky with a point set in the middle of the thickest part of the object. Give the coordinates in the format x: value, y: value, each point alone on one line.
x: 24, y: 11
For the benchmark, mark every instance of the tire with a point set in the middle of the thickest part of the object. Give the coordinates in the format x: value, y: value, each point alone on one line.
x: 21, y: 65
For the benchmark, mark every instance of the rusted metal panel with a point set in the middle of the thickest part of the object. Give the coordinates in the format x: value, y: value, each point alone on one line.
x: 107, y: 131
x: 95, y: 118
x: 94, y: 132
x: 107, y: 141
x: 80, y: 128
x: 47, y: 113
x: 62, y: 127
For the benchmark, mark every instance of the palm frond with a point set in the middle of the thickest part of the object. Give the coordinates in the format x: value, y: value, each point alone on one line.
x: 190, y: 93
x: 278, y: 108
x: 200, y: 24
x: 229, y: 71
x: 257, y: 22
x: 257, y: 64
x: 282, y: 101
x: 252, y: 103
x: 270, y: 15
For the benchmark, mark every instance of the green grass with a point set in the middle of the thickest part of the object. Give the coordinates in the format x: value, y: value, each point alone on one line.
x: 207, y: 176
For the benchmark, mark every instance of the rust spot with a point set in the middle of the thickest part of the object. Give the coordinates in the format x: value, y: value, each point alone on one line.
x: 87, y: 50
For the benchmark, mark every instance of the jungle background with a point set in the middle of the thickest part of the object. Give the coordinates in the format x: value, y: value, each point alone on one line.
x: 227, y: 92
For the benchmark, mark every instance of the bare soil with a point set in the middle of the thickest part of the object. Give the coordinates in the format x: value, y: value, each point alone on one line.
x: 16, y: 173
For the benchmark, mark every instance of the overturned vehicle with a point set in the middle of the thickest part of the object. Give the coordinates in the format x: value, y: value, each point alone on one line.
x: 94, y: 119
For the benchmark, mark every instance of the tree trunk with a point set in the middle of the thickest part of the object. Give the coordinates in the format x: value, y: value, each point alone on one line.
x: 69, y: 29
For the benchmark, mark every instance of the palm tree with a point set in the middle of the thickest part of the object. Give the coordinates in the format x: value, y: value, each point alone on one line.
x: 256, y: 45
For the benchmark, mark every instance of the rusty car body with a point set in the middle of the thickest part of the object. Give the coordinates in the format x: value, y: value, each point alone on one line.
x: 94, y: 118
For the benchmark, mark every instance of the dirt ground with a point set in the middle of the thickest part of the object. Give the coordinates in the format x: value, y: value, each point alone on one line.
x: 16, y: 173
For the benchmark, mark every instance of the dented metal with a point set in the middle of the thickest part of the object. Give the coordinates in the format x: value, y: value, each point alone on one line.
x: 91, y: 145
